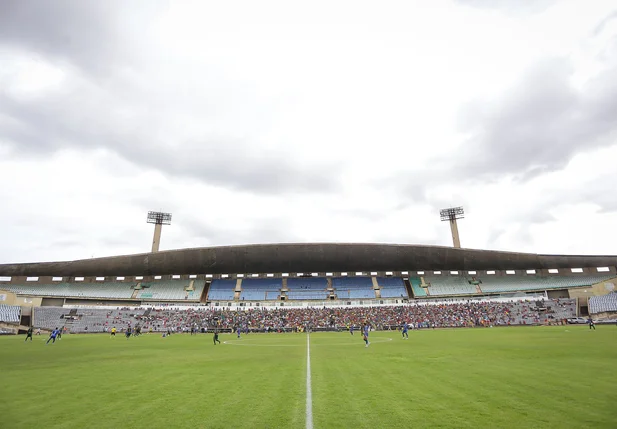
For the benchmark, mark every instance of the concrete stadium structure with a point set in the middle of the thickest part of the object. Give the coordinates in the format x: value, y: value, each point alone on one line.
x: 305, y: 274
x: 305, y: 258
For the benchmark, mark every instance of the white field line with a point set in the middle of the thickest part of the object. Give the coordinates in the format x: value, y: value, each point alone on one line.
x: 309, y: 393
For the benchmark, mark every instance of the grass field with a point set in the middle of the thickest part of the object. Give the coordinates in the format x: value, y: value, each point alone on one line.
x: 540, y: 377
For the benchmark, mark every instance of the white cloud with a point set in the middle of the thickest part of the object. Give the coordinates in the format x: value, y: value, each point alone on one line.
x: 266, y: 122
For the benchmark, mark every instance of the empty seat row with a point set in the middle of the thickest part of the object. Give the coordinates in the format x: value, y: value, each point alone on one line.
x: 10, y: 313
x: 601, y: 304
x: 392, y: 287
x: 222, y: 290
x: 307, y: 283
x: 265, y: 289
x: 171, y: 290
x: 450, y: 285
x: 307, y: 295
x: 160, y: 290
x: 74, y: 290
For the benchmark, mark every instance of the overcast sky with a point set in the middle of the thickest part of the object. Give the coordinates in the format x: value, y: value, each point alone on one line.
x: 321, y: 121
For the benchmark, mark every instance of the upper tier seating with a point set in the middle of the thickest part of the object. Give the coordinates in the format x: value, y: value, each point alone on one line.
x: 392, y: 287
x: 261, y: 289
x: 10, y: 313
x: 449, y: 285
x: 459, y: 285
x: 601, y: 304
x: 512, y: 283
x: 353, y: 287
x: 158, y: 289
x: 416, y: 287
x: 162, y: 290
x: 305, y: 288
x: 74, y: 290
x: 222, y: 290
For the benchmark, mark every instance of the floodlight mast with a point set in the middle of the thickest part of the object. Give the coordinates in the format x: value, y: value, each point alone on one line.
x: 158, y: 219
x: 451, y: 215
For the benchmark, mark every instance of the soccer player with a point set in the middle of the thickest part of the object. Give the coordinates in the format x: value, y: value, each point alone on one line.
x: 216, y: 338
x: 129, y: 331
x: 113, y: 332
x: 29, y: 334
x: 59, y: 333
x: 405, y: 331
x: 591, y: 323
x: 351, y: 329
x: 365, y: 335
x: 238, y: 331
x: 52, y: 336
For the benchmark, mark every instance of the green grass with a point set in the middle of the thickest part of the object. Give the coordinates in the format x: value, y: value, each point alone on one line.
x: 557, y: 377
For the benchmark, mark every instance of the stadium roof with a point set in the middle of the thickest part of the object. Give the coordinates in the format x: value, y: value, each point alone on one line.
x: 304, y: 258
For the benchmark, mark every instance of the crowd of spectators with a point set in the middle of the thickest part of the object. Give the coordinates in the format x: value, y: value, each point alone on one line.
x: 458, y: 314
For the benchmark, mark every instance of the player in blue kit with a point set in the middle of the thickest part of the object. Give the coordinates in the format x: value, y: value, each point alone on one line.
x: 351, y: 329
x: 365, y: 335
x: 52, y: 336
x: 405, y: 331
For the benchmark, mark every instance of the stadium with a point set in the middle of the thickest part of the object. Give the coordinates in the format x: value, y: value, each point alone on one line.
x: 318, y: 158
x: 269, y: 297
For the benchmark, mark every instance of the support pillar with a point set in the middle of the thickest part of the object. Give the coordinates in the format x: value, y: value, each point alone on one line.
x: 156, y: 241
x: 455, y: 238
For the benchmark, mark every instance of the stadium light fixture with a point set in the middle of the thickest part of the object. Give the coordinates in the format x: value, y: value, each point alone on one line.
x: 451, y: 215
x: 158, y: 219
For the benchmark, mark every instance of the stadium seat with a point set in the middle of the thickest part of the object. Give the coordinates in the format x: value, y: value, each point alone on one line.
x: 416, y: 287
x: 512, y: 283
x: 392, y: 287
x: 222, y: 290
x: 10, y: 313
x: 601, y: 304
x: 307, y: 288
x: 353, y: 287
x: 449, y: 285
x: 267, y: 289
x: 163, y: 290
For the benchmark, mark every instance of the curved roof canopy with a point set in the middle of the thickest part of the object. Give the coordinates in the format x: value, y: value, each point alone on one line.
x: 294, y: 258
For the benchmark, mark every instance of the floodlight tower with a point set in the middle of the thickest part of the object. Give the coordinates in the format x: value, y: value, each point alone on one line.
x: 158, y: 219
x: 451, y: 215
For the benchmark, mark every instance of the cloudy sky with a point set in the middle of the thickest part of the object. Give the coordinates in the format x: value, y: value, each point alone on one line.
x: 333, y: 121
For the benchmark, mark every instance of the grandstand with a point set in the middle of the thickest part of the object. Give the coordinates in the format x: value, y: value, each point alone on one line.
x: 264, y: 289
x: 353, y: 287
x: 172, y: 290
x: 457, y: 285
x: 392, y: 287
x: 518, y: 283
x: 307, y: 288
x: 74, y: 290
x: 319, y: 288
x: 603, y: 304
x: 416, y: 287
x: 222, y: 290
x: 10, y: 313
x: 277, y: 278
x: 430, y: 314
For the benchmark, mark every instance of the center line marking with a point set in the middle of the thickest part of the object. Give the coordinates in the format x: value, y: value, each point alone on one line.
x: 309, y: 393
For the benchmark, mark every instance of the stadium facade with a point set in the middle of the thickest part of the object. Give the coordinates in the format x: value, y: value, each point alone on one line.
x: 320, y: 274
